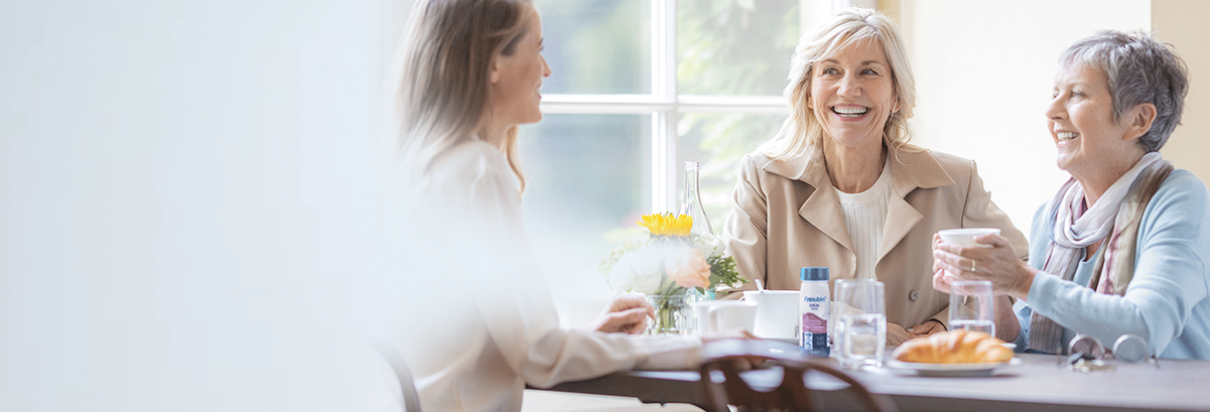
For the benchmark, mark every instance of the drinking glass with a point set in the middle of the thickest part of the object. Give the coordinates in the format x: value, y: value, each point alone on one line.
x: 835, y: 340
x: 673, y: 314
x: 860, y: 308
x: 972, y: 307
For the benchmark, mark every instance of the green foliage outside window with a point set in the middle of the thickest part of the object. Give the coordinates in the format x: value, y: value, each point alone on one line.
x: 730, y: 47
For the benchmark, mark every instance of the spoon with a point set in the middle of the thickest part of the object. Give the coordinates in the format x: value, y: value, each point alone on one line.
x: 760, y: 286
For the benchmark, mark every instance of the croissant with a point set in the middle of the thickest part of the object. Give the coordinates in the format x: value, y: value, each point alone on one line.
x: 959, y: 346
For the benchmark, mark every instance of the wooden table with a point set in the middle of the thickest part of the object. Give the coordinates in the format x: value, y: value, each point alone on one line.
x: 1036, y: 384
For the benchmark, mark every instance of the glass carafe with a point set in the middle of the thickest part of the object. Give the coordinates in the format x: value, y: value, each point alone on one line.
x: 692, y: 205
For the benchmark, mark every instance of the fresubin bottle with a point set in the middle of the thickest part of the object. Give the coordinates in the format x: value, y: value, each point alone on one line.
x: 813, y: 309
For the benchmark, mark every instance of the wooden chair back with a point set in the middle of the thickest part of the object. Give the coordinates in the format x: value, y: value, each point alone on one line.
x: 411, y: 400
x: 793, y: 395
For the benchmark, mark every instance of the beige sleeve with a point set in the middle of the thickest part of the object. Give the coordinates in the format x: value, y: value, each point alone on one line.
x: 518, y: 311
x: 980, y: 211
x: 744, y: 231
x: 943, y: 316
x: 524, y: 327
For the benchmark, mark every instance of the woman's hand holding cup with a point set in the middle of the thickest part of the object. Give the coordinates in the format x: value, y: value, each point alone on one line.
x: 980, y: 256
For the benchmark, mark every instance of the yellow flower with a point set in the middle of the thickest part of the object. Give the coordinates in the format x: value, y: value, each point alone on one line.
x: 666, y: 224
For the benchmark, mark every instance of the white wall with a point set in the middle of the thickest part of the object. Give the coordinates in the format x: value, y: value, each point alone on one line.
x: 186, y: 191
x: 984, y: 73
x: 1183, y: 24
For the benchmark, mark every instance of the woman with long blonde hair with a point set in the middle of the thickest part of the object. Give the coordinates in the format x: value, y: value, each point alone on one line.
x: 841, y: 186
x: 471, y: 72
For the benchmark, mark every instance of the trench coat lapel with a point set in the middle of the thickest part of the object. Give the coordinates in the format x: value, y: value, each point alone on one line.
x: 823, y: 211
x: 822, y: 207
x: 912, y: 170
x: 909, y: 171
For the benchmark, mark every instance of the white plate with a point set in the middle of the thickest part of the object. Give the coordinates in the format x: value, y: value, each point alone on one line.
x: 951, y: 370
x: 791, y: 341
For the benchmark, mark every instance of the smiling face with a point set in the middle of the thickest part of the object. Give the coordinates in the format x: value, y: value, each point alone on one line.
x: 852, y: 94
x: 516, y: 78
x: 1080, y: 117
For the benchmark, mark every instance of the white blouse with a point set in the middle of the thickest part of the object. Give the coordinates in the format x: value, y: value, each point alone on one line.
x: 865, y: 216
x: 490, y: 327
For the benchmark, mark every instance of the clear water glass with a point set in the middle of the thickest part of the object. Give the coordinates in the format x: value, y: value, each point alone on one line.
x: 859, y: 312
x: 985, y: 326
x: 835, y: 332
x: 864, y: 340
x: 972, y: 306
x: 673, y: 314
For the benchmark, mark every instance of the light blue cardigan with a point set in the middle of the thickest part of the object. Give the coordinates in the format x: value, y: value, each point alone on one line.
x: 1167, y: 302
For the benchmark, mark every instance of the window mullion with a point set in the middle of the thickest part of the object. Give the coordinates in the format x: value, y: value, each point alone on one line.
x: 663, y: 82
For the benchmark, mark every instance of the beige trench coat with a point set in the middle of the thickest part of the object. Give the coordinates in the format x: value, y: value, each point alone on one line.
x: 786, y: 215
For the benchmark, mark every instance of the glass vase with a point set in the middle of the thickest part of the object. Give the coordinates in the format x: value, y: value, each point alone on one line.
x: 674, y: 314
x: 692, y: 205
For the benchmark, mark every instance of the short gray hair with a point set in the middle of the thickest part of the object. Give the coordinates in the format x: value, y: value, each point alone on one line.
x: 1140, y: 70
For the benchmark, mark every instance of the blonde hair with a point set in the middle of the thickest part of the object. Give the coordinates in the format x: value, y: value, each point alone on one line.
x: 444, y: 75
x: 802, y: 130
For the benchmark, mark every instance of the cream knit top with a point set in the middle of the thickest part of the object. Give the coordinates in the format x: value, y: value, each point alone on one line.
x: 865, y: 216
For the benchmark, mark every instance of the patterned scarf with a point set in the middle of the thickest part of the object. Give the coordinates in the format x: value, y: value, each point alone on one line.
x: 1117, y: 214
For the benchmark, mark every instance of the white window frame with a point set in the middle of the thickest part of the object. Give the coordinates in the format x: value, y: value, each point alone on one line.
x: 664, y: 105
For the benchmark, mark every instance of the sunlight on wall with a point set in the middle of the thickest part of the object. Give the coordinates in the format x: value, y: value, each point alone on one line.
x: 1182, y: 23
x: 187, y: 191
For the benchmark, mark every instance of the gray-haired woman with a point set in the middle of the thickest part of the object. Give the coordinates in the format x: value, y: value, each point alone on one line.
x: 1122, y: 248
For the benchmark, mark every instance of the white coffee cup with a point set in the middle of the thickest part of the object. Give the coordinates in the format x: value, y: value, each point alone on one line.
x: 966, y: 237
x: 719, y: 316
x: 776, y: 313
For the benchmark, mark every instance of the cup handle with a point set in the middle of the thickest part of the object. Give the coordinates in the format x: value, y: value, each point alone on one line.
x: 712, y: 318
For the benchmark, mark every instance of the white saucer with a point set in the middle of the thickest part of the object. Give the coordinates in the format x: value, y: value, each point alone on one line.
x: 951, y: 370
x: 791, y: 341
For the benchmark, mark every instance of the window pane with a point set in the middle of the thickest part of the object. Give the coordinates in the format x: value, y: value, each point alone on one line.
x: 735, y: 47
x: 719, y: 141
x: 597, y: 46
x: 589, y: 178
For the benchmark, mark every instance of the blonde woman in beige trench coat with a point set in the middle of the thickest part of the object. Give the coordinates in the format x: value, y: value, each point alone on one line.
x: 846, y: 139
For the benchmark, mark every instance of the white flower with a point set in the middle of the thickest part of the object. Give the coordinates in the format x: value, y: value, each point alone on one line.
x: 638, y: 271
x: 709, y: 245
x: 687, y: 267
x: 606, y: 264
